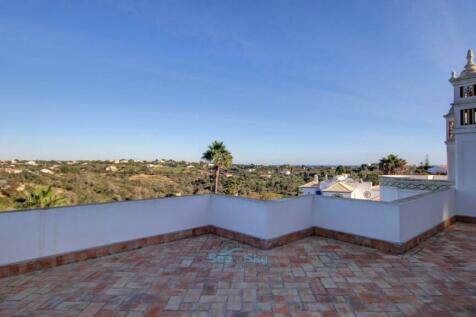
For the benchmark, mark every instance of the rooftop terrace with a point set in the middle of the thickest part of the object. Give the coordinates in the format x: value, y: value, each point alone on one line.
x: 215, y: 254
x: 310, y: 277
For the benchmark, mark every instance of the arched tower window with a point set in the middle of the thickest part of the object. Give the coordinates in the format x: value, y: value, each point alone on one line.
x: 468, y: 116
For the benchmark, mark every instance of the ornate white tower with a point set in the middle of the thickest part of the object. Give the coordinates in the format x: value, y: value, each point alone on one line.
x: 461, y: 138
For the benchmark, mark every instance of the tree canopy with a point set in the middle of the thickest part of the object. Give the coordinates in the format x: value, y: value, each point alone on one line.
x: 391, y: 164
x: 218, y: 155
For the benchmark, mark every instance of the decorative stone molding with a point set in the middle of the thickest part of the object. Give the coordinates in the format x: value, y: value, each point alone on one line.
x: 469, y: 70
x: 408, y: 183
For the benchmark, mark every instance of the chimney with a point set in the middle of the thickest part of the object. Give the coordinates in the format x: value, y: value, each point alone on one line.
x: 316, y: 179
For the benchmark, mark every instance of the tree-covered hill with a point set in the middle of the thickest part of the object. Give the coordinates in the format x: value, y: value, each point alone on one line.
x: 82, y: 182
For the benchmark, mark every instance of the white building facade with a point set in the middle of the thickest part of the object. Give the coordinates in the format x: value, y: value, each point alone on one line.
x: 461, y: 138
x: 460, y: 148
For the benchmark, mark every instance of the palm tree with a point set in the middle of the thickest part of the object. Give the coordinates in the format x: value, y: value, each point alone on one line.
x: 391, y: 164
x: 39, y: 197
x: 220, y: 157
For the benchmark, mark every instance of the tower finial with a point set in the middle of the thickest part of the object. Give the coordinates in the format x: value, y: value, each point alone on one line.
x: 470, y: 57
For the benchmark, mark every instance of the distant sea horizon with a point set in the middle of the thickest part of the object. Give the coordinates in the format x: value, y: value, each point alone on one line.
x: 191, y: 162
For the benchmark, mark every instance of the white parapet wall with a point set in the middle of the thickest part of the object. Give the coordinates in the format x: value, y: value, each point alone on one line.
x: 27, y: 235
x: 425, y: 211
x: 262, y: 219
x: 371, y: 219
x: 244, y: 215
x: 289, y: 215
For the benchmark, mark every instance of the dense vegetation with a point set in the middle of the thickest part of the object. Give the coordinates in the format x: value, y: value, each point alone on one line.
x: 27, y: 184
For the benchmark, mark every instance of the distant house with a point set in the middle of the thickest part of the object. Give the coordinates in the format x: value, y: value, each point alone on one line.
x: 31, y: 163
x: 339, y: 189
x: 111, y: 168
x: 341, y: 186
x: 438, y: 170
x: 9, y: 170
x: 311, y: 188
x: 47, y: 171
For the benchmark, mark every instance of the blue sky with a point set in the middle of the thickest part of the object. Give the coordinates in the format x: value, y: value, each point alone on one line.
x: 300, y: 82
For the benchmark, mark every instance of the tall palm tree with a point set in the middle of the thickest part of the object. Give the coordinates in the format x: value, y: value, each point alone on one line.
x: 220, y: 157
x: 391, y: 164
x: 39, y: 197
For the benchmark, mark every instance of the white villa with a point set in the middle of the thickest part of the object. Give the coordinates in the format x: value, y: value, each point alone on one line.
x: 341, y: 186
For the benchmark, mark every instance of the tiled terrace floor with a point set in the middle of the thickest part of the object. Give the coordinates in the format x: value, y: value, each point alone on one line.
x: 310, y: 277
